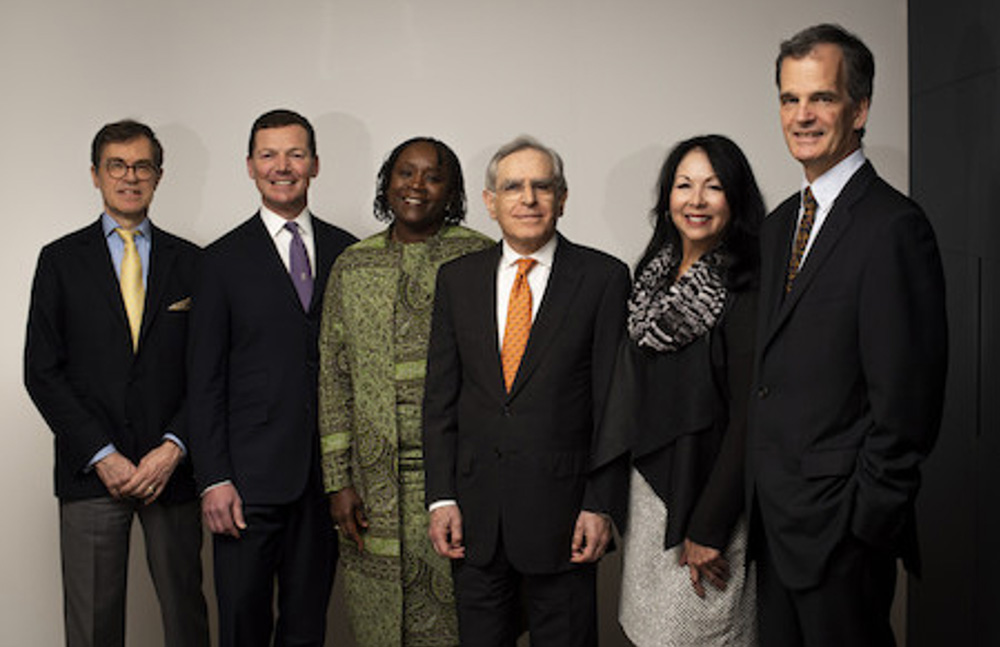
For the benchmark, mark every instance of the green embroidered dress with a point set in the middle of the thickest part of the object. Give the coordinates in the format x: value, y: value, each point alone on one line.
x: 373, y: 348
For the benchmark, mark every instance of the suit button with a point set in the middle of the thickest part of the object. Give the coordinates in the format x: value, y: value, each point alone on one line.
x: 763, y: 392
x: 499, y: 454
x: 506, y: 411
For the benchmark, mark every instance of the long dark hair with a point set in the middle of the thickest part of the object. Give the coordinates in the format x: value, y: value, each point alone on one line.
x: 746, y: 207
x: 454, y: 208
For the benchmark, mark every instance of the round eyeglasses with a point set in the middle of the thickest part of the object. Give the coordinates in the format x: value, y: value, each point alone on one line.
x: 143, y: 169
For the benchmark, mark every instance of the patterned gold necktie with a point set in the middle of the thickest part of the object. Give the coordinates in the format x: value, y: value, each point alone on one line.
x: 515, y: 336
x: 802, y: 236
x: 130, y: 281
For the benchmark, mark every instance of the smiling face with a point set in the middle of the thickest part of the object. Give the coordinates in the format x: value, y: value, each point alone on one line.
x: 818, y: 117
x: 418, y: 192
x: 526, y: 202
x: 282, y: 166
x: 698, y: 205
x: 126, y: 199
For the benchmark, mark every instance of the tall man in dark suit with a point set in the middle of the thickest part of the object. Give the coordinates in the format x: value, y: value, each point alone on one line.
x: 253, y: 361
x: 104, y: 363
x: 522, y: 344
x: 851, y: 358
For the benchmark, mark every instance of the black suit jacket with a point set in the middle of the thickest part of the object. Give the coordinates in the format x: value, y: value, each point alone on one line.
x: 253, y: 361
x: 849, y: 378
x: 79, y: 365
x: 518, y: 463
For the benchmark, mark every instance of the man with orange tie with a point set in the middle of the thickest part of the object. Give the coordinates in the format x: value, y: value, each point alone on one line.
x: 522, y: 344
x: 104, y: 363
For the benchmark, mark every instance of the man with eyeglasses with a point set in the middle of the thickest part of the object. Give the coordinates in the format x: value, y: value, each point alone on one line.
x: 104, y: 364
x: 523, y: 339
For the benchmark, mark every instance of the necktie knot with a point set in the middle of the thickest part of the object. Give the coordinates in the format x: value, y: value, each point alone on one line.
x: 809, y: 204
x: 127, y: 235
x: 524, y: 266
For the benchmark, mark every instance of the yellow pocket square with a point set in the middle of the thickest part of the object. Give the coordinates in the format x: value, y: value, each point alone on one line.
x: 180, y: 306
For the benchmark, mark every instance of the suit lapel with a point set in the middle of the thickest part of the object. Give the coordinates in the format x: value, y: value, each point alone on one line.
x: 559, y: 293
x: 481, y: 306
x: 162, y: 254
x: 323, y: 237
x: 266, y: 248
x: 837, y: 223
x: 774, y: 265
x: 97, y: 260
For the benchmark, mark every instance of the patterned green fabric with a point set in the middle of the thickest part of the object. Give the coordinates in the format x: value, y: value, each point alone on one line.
x: 373, y: 348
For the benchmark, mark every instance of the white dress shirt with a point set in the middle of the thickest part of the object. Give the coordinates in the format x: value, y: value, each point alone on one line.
x: 825, y: 189
x: 282, y: 238
x: 538, y: 280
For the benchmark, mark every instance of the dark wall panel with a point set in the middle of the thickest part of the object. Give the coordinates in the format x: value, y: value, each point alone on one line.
x: 955, y: 175
x: 951, y: 41
x: 945, y: 509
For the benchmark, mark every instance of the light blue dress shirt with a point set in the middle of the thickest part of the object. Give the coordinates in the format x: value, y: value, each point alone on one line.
x: 116, y: 247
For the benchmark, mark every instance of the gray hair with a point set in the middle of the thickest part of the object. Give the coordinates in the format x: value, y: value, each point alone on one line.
x: 526, y: 142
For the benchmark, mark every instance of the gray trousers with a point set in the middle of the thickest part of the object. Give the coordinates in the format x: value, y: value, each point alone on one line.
x: 94, y: 539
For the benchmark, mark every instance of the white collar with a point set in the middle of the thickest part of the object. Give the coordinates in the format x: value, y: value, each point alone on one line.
x: 543, y: 255
x: 275, y: 224
x: 828, y: 186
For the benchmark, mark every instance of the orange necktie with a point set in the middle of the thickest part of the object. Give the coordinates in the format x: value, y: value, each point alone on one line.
x: 515, y: 336
x: 801, y: 237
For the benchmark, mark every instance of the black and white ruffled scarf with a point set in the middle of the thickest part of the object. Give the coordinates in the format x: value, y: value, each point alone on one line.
x: 666, y: 315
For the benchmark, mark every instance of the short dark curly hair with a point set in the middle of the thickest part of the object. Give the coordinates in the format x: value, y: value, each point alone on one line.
x: 454, y: 210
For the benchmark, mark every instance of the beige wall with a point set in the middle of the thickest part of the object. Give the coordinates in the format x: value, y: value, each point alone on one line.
x: 610, y: 84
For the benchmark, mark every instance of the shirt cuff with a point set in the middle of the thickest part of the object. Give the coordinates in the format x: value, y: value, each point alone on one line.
x: 101, y: 454
x: 215, y: 485
x: 440, y: 504
x: 177, y: 441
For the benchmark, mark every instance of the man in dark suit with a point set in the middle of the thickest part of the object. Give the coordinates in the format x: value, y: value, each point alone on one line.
x: 511, y: 410
x: 851, y: 359
x: 107, y: 329
x: 253, y: 361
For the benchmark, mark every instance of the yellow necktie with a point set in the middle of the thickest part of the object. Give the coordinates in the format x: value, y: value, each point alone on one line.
x: 133, y: 292
x: 801, y: 237
x: 515, y: 336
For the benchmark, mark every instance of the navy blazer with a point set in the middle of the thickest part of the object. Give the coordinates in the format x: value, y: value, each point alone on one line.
x: 849, y: 378
x: 519, y: 463
x: 79, y: 366
x: 253, y: 360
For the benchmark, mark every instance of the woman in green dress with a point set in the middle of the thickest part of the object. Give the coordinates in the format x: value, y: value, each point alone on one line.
x: 373, y: 349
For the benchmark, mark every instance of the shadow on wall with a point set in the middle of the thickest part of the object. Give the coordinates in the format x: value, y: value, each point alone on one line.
x: 181, y: 194
x: 344, y: 145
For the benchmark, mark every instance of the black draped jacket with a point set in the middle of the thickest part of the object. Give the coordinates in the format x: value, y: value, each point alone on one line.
x: 680, y: 419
